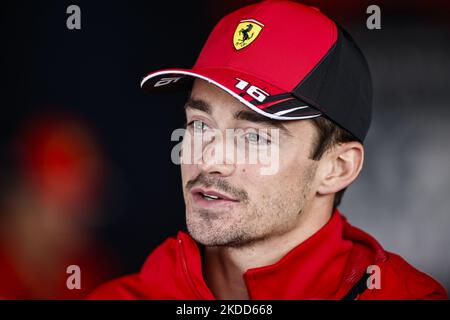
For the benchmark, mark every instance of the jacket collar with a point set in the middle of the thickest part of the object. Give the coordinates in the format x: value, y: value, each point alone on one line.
x: 325, y: 266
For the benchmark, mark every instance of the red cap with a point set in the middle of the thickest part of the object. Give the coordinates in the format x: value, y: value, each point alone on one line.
x: 282, y: 59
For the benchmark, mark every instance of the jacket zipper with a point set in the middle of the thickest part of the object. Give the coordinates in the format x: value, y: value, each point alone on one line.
x: 186, y: 271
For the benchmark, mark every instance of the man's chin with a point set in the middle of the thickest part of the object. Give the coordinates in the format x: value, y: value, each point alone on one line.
x: 211, y: 237
x: 207, y: 236
x: 216, y: 228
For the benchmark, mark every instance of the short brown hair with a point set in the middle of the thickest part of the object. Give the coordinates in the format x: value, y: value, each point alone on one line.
x: 329, y: 135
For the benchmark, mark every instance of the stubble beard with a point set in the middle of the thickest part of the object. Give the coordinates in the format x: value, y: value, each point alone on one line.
x: 273, y: 216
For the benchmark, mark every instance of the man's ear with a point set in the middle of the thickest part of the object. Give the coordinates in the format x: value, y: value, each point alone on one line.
x: 340, y: 167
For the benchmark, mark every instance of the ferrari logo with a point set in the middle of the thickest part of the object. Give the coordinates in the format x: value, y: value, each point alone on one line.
x: 246, y: 32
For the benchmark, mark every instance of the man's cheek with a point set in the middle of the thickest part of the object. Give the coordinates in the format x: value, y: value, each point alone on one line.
x: 188, y: 171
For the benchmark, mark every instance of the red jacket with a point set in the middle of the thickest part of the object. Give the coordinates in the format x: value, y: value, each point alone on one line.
x: 326, y: 266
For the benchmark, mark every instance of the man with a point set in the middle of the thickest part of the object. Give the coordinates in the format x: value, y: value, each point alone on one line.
x: 290, y: 83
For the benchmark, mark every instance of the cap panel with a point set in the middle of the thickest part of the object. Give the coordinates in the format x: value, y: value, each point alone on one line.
x: 341, y: 87
x: 218, y: 49
x: 293, y: 39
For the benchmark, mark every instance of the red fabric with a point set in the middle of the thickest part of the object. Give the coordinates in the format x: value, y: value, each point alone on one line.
x: 293, y: 40
x: 325, y: 266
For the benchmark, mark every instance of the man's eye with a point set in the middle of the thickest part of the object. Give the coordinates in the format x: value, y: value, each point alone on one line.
x: 255, y: 138
x: 197, y: 125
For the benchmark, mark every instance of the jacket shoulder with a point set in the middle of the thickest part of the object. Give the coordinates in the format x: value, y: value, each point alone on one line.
x: 145, y: 284
x: 124, y: 288
x: 399, y: 280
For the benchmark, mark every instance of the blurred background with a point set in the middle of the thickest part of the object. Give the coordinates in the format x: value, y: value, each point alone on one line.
x: 86, y: 176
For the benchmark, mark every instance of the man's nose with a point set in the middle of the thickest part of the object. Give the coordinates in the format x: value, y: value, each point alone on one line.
x: 216, y: 158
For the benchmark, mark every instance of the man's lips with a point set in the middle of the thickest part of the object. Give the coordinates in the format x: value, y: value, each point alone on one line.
x: 209, y: 197
x: 212, y: 193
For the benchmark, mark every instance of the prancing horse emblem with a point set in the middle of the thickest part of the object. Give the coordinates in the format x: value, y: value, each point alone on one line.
x: 246, y: 32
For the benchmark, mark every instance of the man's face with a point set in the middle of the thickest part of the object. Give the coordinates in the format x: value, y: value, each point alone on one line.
x: 241, y: 204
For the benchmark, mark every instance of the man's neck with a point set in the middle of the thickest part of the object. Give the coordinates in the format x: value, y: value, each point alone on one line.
x: 224, y: 266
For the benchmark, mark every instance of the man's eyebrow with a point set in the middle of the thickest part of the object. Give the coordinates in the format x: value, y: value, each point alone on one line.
x: 252, y: 116
x: 197, y: 104
x: 246, y: 115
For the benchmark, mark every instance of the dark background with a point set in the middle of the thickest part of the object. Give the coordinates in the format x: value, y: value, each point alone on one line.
x: 401, y: 197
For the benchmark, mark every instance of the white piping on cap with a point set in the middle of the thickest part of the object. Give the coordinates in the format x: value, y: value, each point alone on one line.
x: 252, y: 20
x: 283, y: 112
x: 275, y: 116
